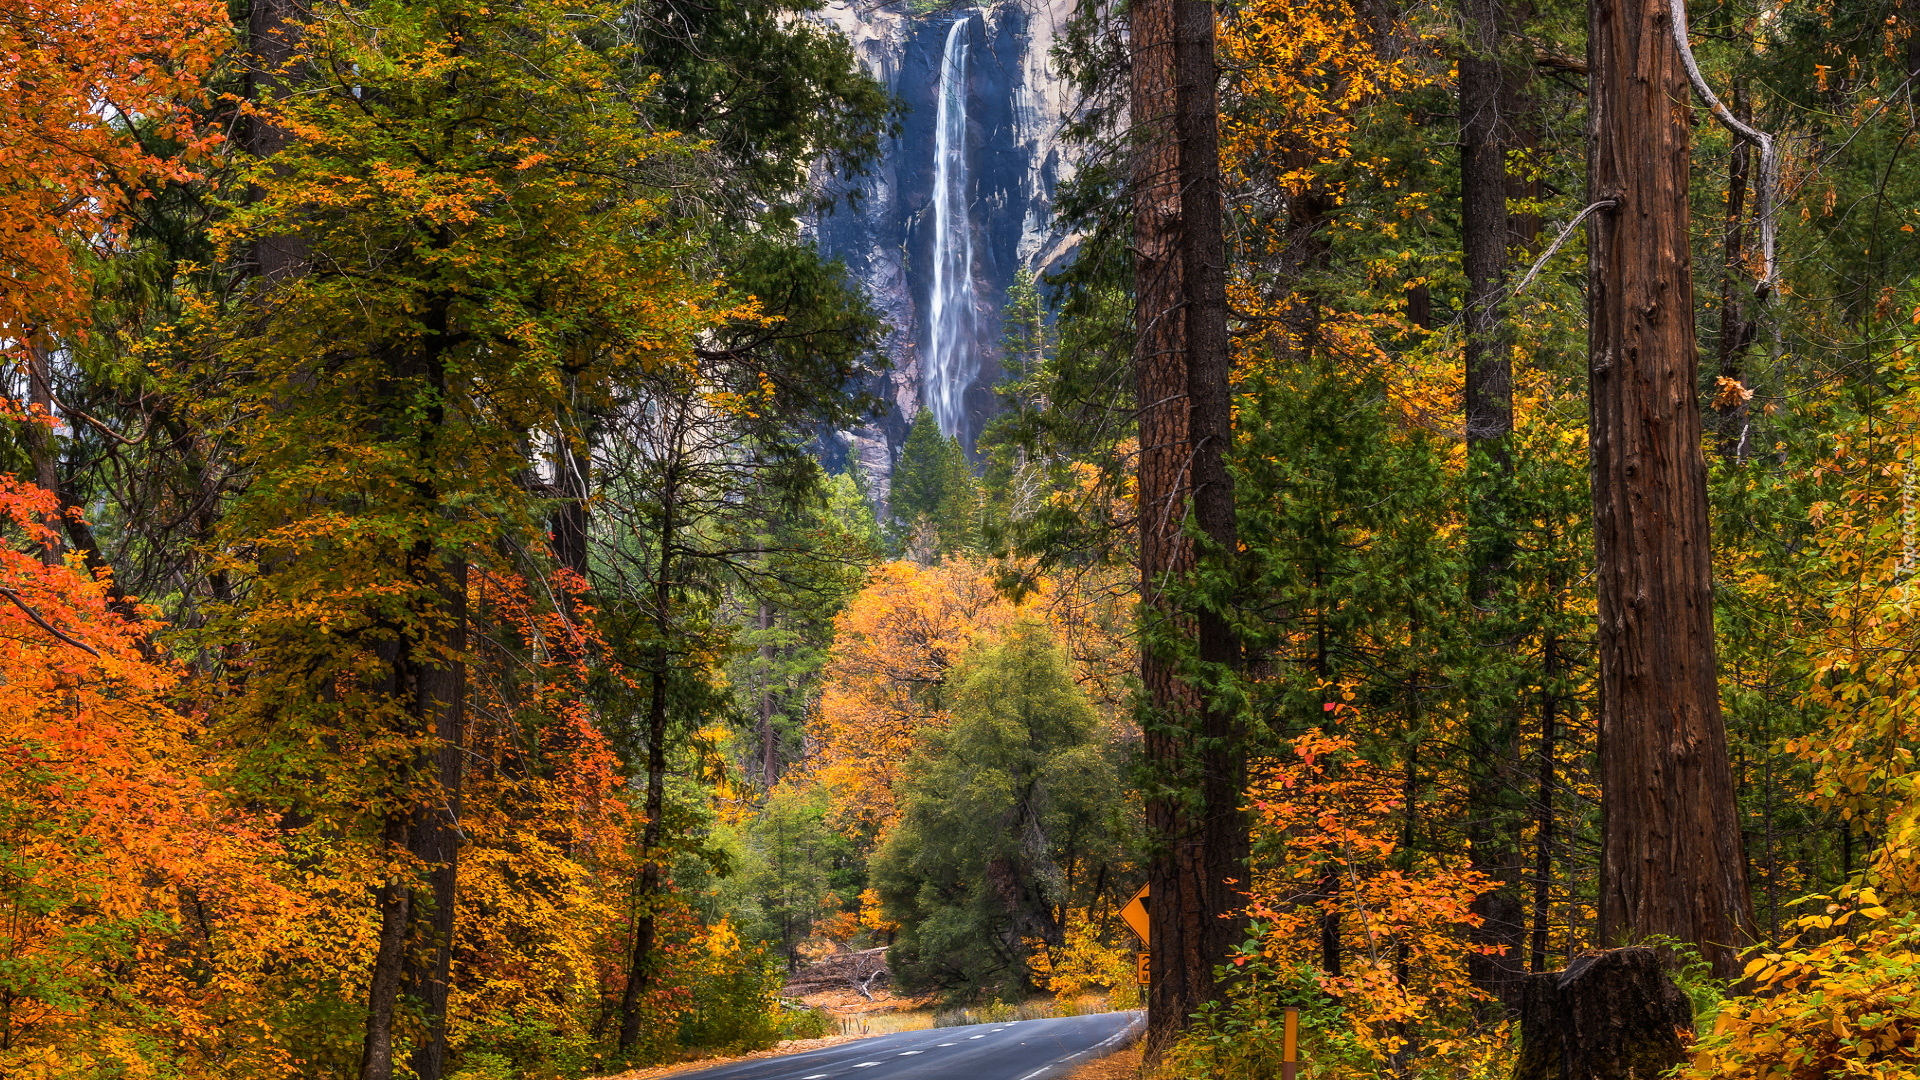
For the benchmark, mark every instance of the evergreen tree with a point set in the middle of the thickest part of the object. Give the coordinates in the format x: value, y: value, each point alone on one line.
x: 936, y: 498
x: 1012, y: 815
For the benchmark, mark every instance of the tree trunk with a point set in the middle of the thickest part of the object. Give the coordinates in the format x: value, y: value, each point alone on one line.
x: 640, y: 964
x: 1671, y: 860
x: 1226, y: 838
x: 389, y: 960
x: 769, y: 742
x: 1609, y: 1016
x: 1181, y: 369
x: 435, y: 837
x: 41, y: 447
x: 1495, y: 815
x: 1736, y: 329
x: 1543, y: 837
x: 1484, y: 227
x: 272, y: 38
x: 570, y: 517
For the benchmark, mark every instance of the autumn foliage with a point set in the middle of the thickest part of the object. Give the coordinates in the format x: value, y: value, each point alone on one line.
x: 140, y: 906
x: 93, y: 91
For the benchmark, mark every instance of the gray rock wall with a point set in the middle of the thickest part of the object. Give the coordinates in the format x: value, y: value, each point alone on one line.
x: 1015, y: 102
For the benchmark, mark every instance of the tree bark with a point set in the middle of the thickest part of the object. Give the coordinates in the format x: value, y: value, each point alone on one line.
x: 640, y: 963
x: 1543, y: 837
x: 1671, y: 860
x: 1484, y: 228
x: 1495, y: 816
x: 41, y: 447
x: 273, y: 35
x: 435, y: 837
x: 769, y: 741
x: 1182, y: 365
x: 1609, y: 1016
x: 394, y: 899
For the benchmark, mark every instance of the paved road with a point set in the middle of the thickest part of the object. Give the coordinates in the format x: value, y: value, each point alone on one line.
x: 1023, y: 1050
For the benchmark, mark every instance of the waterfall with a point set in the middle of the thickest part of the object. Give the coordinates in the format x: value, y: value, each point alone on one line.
x: 952, y: 357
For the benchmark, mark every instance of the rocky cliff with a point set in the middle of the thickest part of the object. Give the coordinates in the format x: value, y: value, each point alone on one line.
x: 998, y: 127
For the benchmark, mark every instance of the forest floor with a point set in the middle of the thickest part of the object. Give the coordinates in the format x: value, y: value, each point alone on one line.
x: 856, y: 990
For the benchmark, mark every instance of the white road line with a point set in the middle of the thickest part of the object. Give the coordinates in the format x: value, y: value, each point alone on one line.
x: 815, y: 1076
x: 866, y: 1065
x: 976, y: 1036
x: 910, y: 1053
x: 1057, y: 1062
x: 949, y: 1044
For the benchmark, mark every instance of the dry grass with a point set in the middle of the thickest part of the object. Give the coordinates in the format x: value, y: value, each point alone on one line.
x: 884, y: 1022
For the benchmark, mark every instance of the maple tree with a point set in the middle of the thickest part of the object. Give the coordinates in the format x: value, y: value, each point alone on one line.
x: 92, y: 92
x: 140, y: 906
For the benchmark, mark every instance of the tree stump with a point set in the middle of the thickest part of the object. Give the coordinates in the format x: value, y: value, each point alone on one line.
x: 1609, y: 1016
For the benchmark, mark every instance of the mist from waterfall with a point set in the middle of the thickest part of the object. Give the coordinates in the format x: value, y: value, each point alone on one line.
x: 952, y: 356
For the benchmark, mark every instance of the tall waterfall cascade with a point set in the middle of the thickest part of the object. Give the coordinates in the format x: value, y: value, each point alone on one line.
x: 952, y: 354
x: 958, y: 203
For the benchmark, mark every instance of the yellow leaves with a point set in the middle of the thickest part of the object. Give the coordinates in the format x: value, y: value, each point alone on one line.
x: 1732, y: 392
x: 896, y: 641
x: 1085, y: 962
x: 1301, y: 74
x: 893, y: 647
x: 1845, y: 1007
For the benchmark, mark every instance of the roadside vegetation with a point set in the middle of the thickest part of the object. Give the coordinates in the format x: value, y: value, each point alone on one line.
x: 1452, y: 521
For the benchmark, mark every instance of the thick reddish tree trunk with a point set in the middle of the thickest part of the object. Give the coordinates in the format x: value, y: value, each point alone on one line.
x: 1672, y: 861
x: 1182, y: 365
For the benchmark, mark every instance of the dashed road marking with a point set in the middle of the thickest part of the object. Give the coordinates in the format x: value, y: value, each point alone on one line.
x: 910, y: 1053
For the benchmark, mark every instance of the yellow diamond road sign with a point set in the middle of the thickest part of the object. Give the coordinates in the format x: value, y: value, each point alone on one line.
x: 1135, y: 914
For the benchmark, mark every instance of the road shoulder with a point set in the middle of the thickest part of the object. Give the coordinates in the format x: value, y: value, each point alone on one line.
x: 790, y: 1046
x: 1123, y: 1064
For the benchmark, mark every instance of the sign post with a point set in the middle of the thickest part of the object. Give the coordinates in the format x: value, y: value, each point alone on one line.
x: 1290, y: 1045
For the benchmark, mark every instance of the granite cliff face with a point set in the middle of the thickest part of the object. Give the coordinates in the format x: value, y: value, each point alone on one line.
x: 960, y: 200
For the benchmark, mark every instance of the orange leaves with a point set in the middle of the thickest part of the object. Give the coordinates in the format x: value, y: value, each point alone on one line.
x: 124, y: 873
x: 893, y: 647
x: 78, y: 73
x: 1326, y: 834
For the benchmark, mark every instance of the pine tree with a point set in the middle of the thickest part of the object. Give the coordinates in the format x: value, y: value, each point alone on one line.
x: 935, y: 496
x: 1008, y: 821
